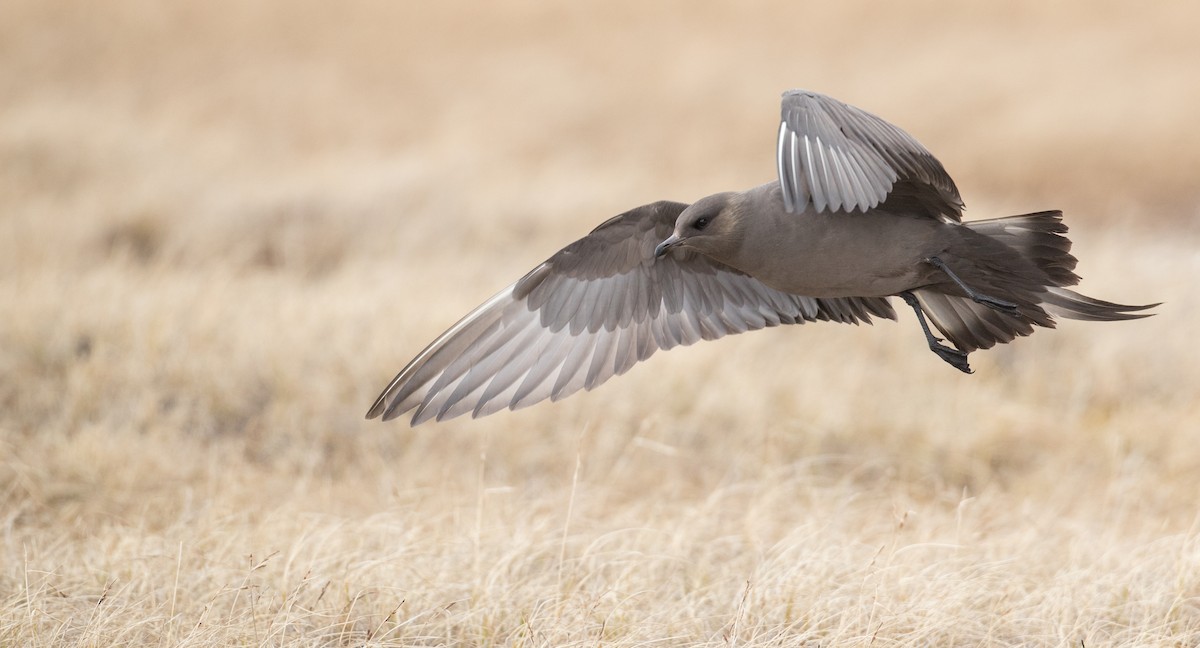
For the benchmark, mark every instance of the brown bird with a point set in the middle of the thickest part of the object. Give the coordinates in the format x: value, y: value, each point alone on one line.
x: 861, y: 212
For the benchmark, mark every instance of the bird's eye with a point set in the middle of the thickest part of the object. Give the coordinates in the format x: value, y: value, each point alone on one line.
x: 701, y: 223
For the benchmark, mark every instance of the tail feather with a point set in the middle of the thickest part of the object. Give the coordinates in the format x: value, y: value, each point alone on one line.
x: 1039, y: 238
x: 1023, y: 259
x: 1064, y: 302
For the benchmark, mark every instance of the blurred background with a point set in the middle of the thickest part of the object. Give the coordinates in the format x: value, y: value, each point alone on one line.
x: 225, y: 225
x: 257, y: 208
x: 181, y: 119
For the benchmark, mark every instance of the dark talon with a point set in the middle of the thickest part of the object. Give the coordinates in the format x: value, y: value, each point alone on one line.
x: 954, y: 357
x: 1008, y: 308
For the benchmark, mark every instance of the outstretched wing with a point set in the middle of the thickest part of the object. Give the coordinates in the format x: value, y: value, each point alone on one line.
x: 590, y: 312
x: 840, y: 158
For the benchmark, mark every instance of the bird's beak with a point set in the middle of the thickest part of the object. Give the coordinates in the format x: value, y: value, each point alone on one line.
x: 670, y: 242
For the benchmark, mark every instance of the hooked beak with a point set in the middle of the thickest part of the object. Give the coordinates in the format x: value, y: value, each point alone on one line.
x: 670, y: 242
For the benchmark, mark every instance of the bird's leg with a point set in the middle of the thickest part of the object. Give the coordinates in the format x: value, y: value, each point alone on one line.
x: 956, y: 358
x: 1006, y: 307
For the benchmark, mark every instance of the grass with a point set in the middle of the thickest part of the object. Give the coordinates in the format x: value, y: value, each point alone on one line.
x: 224, y: 228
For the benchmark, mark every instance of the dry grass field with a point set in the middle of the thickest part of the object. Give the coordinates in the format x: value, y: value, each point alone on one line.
x: 225, y: 225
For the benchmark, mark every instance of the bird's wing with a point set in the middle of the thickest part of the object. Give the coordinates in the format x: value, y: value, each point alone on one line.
x: 840, y: 158
x: 589, y: 313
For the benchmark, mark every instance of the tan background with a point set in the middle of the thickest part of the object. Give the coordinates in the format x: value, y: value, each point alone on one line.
x: 225, y: 225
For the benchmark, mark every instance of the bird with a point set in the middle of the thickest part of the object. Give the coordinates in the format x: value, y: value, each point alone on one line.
x: 860, y: 212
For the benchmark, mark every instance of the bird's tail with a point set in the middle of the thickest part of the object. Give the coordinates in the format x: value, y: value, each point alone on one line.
x: 1025, y: 260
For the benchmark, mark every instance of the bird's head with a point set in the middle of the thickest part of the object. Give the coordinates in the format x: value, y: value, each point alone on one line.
x: 709, y: 226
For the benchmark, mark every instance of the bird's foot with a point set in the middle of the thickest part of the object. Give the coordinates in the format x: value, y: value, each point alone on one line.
x: 1006, y: 307
x: 956, y: 358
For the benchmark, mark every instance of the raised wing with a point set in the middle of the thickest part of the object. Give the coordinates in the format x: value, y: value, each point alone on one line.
x: 840, y: 158
x: 590, y: 312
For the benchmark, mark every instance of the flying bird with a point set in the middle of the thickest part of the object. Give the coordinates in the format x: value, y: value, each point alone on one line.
x: 861, y: 212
